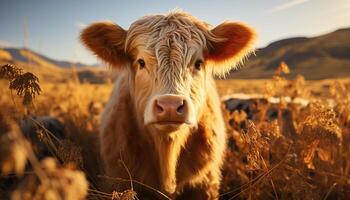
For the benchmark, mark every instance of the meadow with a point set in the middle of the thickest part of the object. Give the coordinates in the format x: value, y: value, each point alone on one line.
x: 287, y: 139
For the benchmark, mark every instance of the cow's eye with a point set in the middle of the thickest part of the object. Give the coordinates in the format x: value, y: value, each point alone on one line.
x: 198, y: 65
x: 142, y: 63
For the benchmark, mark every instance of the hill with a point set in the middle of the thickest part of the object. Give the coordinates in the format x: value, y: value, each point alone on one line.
x: 27, y: 55
x: 325, y: 56
x: 52, y: 70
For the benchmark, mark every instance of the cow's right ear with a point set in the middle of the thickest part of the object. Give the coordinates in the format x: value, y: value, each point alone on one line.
x: 107, y: 41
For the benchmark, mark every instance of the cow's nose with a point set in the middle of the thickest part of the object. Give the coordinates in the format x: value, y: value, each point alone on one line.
x: 170, y: 109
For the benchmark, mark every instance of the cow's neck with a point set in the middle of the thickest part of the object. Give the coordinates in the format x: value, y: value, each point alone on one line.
x: 168, y: 149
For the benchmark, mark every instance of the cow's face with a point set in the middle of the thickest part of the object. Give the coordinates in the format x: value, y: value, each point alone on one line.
x: 169, y: 59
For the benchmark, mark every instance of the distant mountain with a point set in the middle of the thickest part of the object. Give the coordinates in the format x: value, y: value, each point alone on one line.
x: 50, y: 70
x: 325, y: 56
x: 29, y: 56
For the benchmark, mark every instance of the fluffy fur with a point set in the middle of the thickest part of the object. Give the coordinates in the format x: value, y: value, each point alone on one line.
x: 183, y: 162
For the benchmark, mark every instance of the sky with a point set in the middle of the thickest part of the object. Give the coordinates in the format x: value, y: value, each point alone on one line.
x: 52, y: 27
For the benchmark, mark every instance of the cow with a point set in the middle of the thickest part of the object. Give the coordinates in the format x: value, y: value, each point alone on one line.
x: 163, y: 125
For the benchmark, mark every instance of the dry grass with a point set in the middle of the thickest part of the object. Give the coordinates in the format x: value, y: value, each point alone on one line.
x: 280, y: 150
x: 301, y: 152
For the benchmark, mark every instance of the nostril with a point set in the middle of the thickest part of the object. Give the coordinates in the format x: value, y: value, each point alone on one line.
x: 181, y: 109
x: 159, y: 108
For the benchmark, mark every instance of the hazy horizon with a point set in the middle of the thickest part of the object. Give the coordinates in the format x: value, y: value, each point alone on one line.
x: 52, y: 27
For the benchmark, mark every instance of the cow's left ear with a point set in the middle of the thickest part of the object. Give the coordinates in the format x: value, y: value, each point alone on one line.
x: 230, y: 43
x: 107, y: 41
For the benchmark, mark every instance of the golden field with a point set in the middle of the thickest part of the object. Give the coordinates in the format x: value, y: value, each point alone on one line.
x: 280, y: 149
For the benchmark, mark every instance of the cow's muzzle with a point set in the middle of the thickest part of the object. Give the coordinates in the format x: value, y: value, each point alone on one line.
x: 170, y: 109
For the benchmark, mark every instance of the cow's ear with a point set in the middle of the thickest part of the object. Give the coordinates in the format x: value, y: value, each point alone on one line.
x: 107, y: 41
x: 230, y: 43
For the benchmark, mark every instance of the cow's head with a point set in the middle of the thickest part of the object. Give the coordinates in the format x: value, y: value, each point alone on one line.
x: 169, y: 59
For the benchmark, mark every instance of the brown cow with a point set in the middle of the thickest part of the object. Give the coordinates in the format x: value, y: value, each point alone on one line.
x: 163, y: 119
